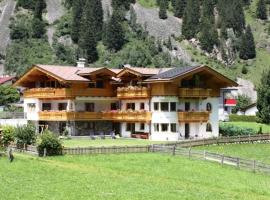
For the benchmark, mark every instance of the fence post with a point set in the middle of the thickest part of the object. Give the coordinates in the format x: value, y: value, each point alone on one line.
x: 254, y: 166
x: 174, y: 148
x: 238, y: 162
x: 239, y: 139
x: 44, y: 152
x: 248, y: 138
x: 204, y: 155
x: 222, y: 159
x: 189, y: 152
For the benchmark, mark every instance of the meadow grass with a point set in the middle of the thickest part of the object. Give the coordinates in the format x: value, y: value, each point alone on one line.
x: 253, y: 125
x: 107, y: 142
x: 255, y: 151
x: 126, y: 176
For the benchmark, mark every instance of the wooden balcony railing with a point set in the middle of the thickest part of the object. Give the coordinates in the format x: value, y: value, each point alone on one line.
x: 128, y: 116
x: 51, y: 93
x: 194, y: 92
x: 193, y: 116
x: 67, y: 116
x: 133, y: 92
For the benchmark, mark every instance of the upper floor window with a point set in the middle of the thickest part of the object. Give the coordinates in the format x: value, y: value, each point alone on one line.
x: 173, y: 106
x: 31, y: 107
x: 92, y: 85
x: 208, y: 127
x: 156, y: 106
x: 46, y: 106
x: 90, y: 107
x: 141, y: 106
x: 62, y: 106
x: 164, y: 106
x: 99, y: 84
x: 131, y: 106
x: 114, y: 106
x: 209, y: 107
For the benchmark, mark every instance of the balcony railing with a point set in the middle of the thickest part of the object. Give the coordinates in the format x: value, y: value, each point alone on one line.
x: 193, y: 116
x: 67, y: 116
x: 133, y: 92
x: 128, y: 116
x: 50, y: 93
x: 194, y: 92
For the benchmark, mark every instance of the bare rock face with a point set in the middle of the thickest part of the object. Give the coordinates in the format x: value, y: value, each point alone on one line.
x: 247, y: 88
x: 55, y: 10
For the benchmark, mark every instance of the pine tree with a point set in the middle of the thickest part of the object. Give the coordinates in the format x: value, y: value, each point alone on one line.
x: 179, y: 8
x: 163, y: 4
x: 38, y: 27
x: 263, y: 101
x: 247, y: 46
x: 115, y: 37
x: 261, y: 10
x: 77, y: 11
x: 208, y: 10
x: 191, y: 19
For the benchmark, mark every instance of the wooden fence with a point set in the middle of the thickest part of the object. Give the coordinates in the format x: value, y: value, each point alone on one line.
x: 106, y: 150
x: 240, y: 163
x: 25, y: 149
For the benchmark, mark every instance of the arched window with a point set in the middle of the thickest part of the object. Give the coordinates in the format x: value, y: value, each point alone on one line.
x: 208, y: 127
x: 209, y: 107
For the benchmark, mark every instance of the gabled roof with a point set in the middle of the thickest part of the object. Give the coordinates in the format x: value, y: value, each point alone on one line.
x: 249, y: 106
x: 6, y: 79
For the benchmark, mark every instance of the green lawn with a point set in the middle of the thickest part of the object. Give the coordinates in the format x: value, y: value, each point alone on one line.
x: 106, y: 142
x: 126, y: 176
x: 253, y: 125
x: 256, y: 151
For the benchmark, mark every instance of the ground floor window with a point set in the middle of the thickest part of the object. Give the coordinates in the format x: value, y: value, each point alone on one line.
x: 173, y: 128
x: 142, y: 127
x: 156, y: 127
x: 164, y: 127
x: 130, y: 127
x: 208, y: 127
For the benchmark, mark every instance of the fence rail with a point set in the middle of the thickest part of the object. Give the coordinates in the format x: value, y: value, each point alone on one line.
x: 12, y: 115
x: 241, y: 163
x: 25, y: 149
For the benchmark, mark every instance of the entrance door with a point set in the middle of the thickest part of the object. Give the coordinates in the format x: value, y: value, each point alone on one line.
x: 187, y: 106
x: 187, y: 129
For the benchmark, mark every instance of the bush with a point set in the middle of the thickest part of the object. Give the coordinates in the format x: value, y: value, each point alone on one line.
x: 7, y: 136
x: 52, y: 144
x: 25, y: 134
x: 230, y: 130
x: 243, y: 118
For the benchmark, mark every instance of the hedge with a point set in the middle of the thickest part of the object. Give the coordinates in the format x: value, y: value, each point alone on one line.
x: 243, y: 118
x: 231, y: 130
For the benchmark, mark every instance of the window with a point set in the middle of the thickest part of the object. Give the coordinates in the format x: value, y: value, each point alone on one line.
x: 173, y: 128
x: 131, y: 106
x: 142, y: 126
x: 89, y: 125
x: 141, y: 106
x: 209, y: 107
x: 173, y: 106
x: 156, y: 106
x: 62, y: 106
x: 208, y: 127
x: 164, y: 106
x: 187, y: 106
x: 130, y: 127
x: 92, y: 85
x: 99, y: 84
x: 31, y: 107
x: 114, y: 106
x: 164, y: 127
x: 90, y: 107
x: 156, y: 127
x: 46, y: 106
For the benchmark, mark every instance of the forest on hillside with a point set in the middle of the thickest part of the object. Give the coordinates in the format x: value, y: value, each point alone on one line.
x: 219, y: 29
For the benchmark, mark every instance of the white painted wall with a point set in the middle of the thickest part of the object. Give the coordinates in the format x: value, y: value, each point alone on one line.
x: 32, y: 114
x: 125, y: 133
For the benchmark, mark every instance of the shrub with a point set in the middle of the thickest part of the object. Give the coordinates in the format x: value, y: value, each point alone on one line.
x: 243, y: 118
x: 52, y: 144
x: 25, y: 134
x: 230, y: 130
x: 7, y: 136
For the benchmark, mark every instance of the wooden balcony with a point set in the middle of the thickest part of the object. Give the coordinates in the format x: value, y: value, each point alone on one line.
x: 193, y: 116
x: 133, y: 92
x: 69, y: 116
x: 60, y: 93
x: 194, y: 93
x: 128, y: 116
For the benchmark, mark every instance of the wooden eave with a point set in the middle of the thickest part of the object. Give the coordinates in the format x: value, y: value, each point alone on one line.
x: 99, y: 71
x: 128, y: 70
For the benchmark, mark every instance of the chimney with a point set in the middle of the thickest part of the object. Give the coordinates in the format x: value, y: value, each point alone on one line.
x: 81, y: 63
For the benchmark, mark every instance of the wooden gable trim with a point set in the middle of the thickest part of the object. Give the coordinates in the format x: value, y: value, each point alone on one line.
x: 96, y: 72
x: 125, y: 70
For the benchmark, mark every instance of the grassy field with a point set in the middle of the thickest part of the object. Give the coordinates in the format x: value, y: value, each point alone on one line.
x: 129, y: 176
x: 106, y: 142
x: 259, y: 152
x: 253, y: 125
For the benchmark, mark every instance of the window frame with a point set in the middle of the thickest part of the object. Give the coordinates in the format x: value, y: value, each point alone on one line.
x: 175, y: 104
x: 162, y: 104
x: 162, y: 126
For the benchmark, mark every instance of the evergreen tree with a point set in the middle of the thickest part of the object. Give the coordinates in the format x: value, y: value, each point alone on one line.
x: 163, y: 9
x: 179, y: 8
x: 77, y: 11
x: 116, y: 4
x: 208, y: 36
x: 39, y: 7
x: 261, y: 11
x: 115, y: 37
x: 208, y: 10
x: 38, y: 28
x: 191, y: 19
x: 247, y: 46
x: 263, y: 101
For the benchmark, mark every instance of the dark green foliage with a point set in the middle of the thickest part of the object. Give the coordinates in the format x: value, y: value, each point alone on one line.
x: 39, y: 7
x: 244, y: 70
x: 22, y: 54
x: 247, y: 46
x: 263, y: 101
x: 261, y: 11
x: 114, y: 37
x: 38, y: 28
x: 27, y: 4
x: 8, y: 95
x: 242, y: 102
x: 65, y: 54
x: 179, y: 8
x: 163, y: 9
x: 208, y: 36
x: 230, y: 130
x: 191, y: 19
x: 260, y: 131
x: 77, y: 11
x: 25, y: 134
x: 20, y: 27
x: 117, y: 4
x: 52, y: 144
x: 7, y: 136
